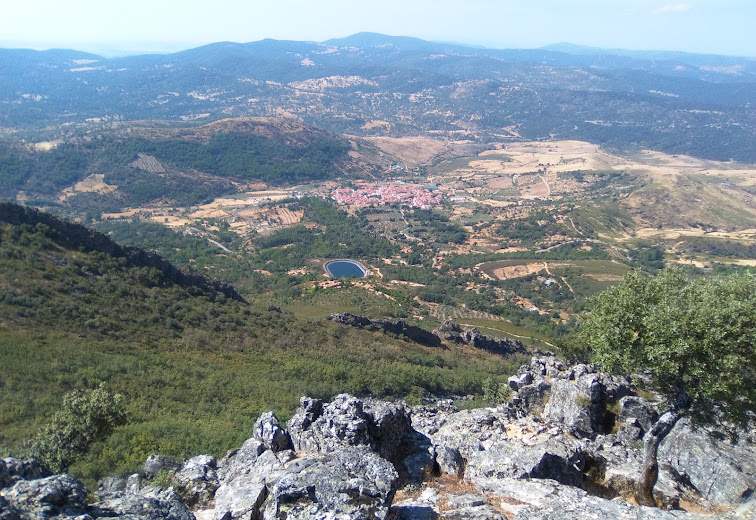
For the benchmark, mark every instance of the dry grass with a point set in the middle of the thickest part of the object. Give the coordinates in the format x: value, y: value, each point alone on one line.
x: 94, y: 183
x: 410, y: 150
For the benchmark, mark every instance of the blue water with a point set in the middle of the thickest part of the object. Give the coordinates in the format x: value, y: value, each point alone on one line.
x: 345, y: 269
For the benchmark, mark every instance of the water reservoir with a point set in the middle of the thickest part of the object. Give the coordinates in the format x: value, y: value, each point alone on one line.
x: 345, y: 269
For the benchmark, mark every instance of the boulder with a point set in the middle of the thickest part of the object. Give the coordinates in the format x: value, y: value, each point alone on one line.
x: 155, y: 464
x: 582, y: 405
x: 239, y: 462
x: 47, y: 497
x: 268, y: 431
x: 13, y: 469
x: 148, y: 504
x: 112, y: 487
x: 449, y: 461
x: 576, y: 405
x: 244, y: 480
x: 197, y: 480
x: 240, y: 498
x: 518, y: 381
x: 530, y: 398
x: 722, y: 472
x: 634, y: 407
x: 352, y: 482
x: 348, y: 421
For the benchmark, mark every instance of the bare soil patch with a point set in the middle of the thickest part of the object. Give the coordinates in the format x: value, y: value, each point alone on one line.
x: 410, y: 150
x: 518, y: 271
x: 95, y: 183
x: 500, y: 183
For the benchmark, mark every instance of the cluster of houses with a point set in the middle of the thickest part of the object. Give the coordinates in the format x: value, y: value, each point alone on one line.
x: 413, y: 195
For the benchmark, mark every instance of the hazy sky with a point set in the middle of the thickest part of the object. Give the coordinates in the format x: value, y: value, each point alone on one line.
x: 711, y: 26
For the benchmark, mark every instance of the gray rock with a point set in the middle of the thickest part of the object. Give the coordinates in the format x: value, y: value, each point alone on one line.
x: 721, y: 472
x: 239, y: 462
x: 240, y: 498
x: 246, y: 476
x: 427, y: 419
x: 197, y: 480
x: 520, y: 380
x: 159, y: 463
x: 47, y: 497
x: 111, y: 487
x: 549, y: 500
x: 421, y: 507
x: 531, y: 397
x: 579, y: 405
x: 8, y: 512
x: 268, y: 431
x: 351, y: 483
x: 449, y: 461
x: 493, y: 445
x: 469, y: 506
x: 148, y: 504
x: 388, y: 425
x: 634, y: 407
x: 419, y: 466
x: 349, y: 421
x: 13, y: 469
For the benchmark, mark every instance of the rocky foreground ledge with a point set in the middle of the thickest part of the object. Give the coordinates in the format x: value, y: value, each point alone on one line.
x: 566, y: 446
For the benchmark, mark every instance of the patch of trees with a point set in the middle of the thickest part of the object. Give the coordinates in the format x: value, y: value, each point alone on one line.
x: 338, y: 235
x: 437, y: 227
x: 242, y: 156
x: 721, y: 248
x: 533, y: 229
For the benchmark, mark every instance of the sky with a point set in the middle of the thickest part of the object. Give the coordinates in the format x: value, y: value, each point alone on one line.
x: 134, y: 26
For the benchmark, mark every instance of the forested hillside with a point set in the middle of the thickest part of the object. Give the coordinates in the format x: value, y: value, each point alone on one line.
x: 371, y: 84
x: 196, y: 366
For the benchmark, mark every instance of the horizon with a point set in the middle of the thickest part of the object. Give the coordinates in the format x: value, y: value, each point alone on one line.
x: 125, y: 49
x: 719, y: 27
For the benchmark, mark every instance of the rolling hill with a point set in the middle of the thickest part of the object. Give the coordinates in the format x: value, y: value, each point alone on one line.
x: 370, y: 84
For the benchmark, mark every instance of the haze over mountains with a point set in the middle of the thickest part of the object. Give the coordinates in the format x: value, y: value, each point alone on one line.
x: 371, y: 84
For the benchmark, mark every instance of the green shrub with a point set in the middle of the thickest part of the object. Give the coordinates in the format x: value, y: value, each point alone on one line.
x: 85, y: 418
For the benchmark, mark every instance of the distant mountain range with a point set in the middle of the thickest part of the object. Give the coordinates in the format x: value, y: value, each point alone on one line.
x: 372, y: 84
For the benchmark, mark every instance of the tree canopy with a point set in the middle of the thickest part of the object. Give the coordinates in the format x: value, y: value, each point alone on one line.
x: 84, y: 419
x: 696, y: 337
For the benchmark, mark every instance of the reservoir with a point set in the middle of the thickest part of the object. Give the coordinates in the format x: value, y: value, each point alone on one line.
x: 345, y: 269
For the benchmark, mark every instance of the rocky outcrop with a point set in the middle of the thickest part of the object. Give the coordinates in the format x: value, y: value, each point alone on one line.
x: 258, y: 483
x: 197, y: 480
x: 347, y: 422
x: 268, y: 431
x: 13, y: 469
x: 475, y: 338
x: 27, y: 495
x: 60, y: 496
x: 720, y: 471
x: 146, y: 504
x: 450, y: 331
x: 400, y: 328
x: 156, y: 464
x: 576, y: 457
x: 580, y: 401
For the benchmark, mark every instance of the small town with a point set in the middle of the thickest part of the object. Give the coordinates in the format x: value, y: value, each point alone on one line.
x: 414, y: 195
